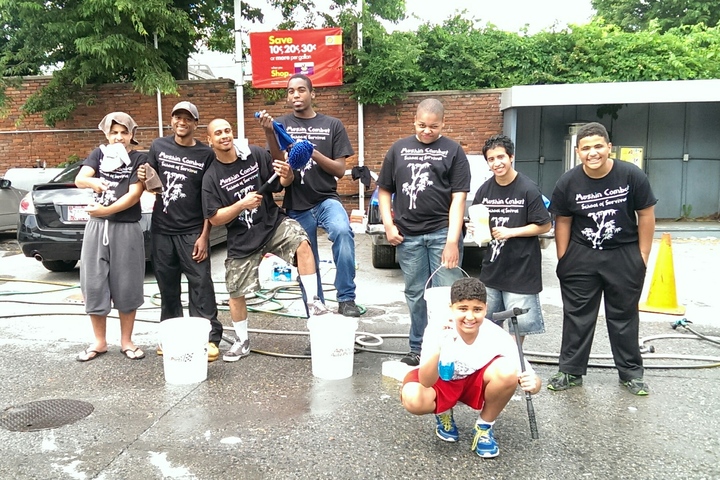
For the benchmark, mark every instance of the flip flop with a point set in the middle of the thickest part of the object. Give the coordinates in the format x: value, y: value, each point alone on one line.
x: 132, y: 354
x: 88, y: 355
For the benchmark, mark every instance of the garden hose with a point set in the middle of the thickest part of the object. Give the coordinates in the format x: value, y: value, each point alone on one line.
x: 363, y: 339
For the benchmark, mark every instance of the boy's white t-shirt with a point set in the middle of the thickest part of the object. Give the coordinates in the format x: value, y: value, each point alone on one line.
x: 491, y: 341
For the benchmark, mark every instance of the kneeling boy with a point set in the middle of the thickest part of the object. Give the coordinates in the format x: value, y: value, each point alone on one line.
x: 486, y: 369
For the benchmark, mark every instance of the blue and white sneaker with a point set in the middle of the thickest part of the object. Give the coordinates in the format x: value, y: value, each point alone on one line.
x: 484, y: 442
x: 446, y: 429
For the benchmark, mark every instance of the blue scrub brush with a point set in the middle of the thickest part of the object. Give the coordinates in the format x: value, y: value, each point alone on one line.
x: 300, y: 151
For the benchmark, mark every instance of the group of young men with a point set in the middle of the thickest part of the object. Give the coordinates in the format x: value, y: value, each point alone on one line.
x: 604, y: 224
x: 229, y: 191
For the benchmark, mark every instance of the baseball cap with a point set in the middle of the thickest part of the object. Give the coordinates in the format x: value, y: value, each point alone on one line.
x: 121, y: 118
x: 188, y: 107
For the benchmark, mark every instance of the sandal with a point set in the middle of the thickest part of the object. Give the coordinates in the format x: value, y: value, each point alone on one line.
x: 133, y: 354
x: 88, y: 355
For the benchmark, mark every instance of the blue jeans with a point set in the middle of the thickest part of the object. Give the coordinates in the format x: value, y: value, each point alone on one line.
x: 419, y: 256
x: 331, y: 216
x: 529, y: 323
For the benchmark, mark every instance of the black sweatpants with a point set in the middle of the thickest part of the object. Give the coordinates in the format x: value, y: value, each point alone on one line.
x: 586, y: 275
x: 171, y: 257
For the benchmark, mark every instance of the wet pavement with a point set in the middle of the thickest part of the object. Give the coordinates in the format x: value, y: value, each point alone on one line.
x: 268, y: 417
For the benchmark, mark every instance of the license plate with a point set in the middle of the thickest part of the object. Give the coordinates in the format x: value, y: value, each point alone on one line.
x: 77, y: 213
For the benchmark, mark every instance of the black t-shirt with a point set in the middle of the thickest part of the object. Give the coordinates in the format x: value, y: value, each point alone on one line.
x: 312, y: 184
x: 603, y: 209
x: 513, y: 265
x: 226, y: 183
x: 178, y: 210
x: 119, y: 181
x: 423, y: 178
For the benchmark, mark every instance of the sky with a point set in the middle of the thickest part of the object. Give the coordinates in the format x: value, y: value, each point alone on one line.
x: 509, y: 15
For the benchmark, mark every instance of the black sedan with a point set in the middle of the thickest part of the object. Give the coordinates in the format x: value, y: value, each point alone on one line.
x: 53, y: 217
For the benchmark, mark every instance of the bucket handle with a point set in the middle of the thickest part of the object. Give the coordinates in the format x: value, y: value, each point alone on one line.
x: 437, y: 269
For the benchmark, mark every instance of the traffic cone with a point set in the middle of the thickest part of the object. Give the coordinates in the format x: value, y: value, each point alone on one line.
x: 662, y: 297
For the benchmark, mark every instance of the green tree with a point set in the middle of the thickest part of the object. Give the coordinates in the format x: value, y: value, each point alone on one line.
x: 91, y: 42
x: 635, y: 15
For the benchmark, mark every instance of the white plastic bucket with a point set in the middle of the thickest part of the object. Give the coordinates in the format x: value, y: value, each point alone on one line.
x: 438, y: 305
x: 437, y: 300
x: 185, y: 355
x: 332, y: 343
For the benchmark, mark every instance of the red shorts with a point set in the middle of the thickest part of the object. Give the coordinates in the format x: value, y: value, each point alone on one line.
x: 468, y: 390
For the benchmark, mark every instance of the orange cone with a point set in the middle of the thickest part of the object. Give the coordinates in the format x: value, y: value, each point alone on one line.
x: 662, y: 297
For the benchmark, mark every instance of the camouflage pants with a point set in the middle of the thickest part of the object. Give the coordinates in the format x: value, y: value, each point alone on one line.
x: 241, y: 274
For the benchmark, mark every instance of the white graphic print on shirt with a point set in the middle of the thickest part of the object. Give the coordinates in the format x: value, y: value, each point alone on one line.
x: 173, y: 189
x: 495, y: 244
x: 419, y: 181
x: 606, y: 228
x: 107, y: 197
x: 239, y: 179
x: 246, y: 216
x: 173, y: 167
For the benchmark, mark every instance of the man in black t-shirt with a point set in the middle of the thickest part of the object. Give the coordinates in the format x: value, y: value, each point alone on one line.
x: 512, y: 267
x: 180, y: 234
x: 312, y: 198
x: 429, y: 176
x: 604, y: 226
x: 256, y: 225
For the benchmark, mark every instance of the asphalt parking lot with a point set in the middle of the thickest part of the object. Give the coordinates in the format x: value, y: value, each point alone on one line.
x: 268, y: 417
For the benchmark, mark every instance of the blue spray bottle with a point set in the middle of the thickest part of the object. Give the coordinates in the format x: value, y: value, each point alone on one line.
x: 446, y: 364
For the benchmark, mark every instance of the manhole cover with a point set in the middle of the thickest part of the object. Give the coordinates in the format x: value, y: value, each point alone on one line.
x: 44, y: 414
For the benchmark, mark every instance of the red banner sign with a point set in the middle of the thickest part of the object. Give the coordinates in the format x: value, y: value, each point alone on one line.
x: 278, y: 55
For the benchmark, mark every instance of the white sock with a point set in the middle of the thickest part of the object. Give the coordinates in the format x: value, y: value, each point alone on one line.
x: 480, y: 421
x: 309, y: 283
x: 241, y: 329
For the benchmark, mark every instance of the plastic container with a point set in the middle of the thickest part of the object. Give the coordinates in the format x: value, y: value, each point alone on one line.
x: 281, y: 272
x: 184, y: 343
x: 332, y: 344
x: 480, y: 220
x: 446, y: 363
x: 437, y: 300
x: 438, y: 305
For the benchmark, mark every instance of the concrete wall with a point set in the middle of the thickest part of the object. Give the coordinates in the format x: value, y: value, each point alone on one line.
x: 470, y: 118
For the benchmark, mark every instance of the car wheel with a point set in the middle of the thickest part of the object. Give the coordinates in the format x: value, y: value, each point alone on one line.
x: 383, y: 256
x: 59, y: 265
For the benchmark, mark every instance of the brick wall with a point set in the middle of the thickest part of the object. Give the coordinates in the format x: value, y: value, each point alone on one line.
x: 469, y: 119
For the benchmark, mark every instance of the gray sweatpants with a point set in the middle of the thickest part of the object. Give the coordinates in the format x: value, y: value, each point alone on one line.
x: 112, y: 266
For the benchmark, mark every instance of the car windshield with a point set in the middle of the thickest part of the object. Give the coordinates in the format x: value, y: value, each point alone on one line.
x: 68, y: 175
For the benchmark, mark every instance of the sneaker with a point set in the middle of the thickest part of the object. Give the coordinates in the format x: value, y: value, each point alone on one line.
x: 637, y: 386
x: 349, y: 309
x: 562, y: 381
x: 159, y: 350
x: 213, y: 352
x: 237, y: 351
x: 411, y: 358
x: 446, y: 429
x: 317, y: 307
x: 484, y: 442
